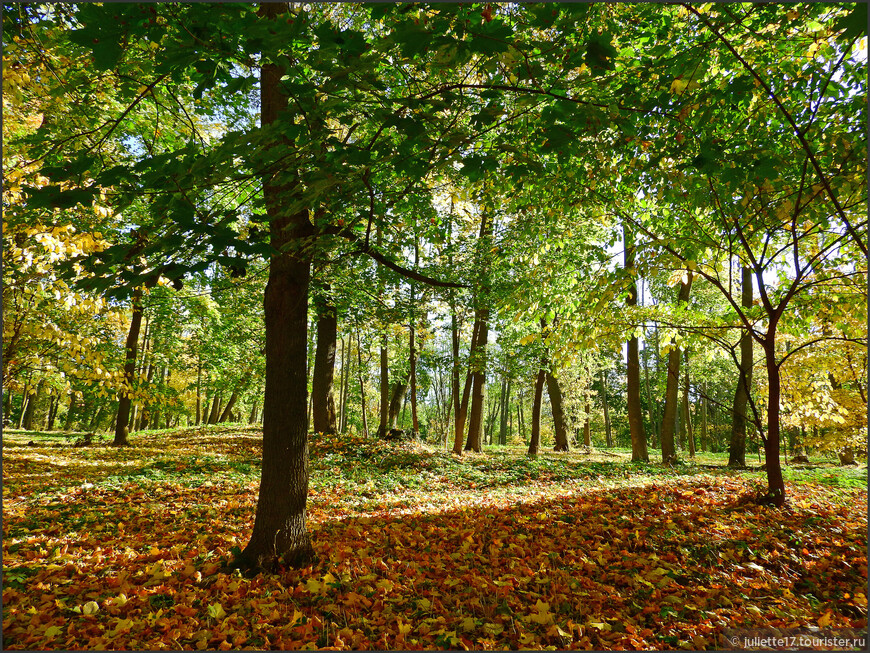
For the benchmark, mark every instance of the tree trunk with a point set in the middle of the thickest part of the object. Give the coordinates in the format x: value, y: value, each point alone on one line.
x: 478, y: 383
x: 737, y: 450
x: 215, y: 408
x: 362, y: 386
x: 70, y: 413
x: 198, y: 389
x: 505, y: 409
x: 385, y: 389
x: 345, y: 385
x: 415, y: 424
x: 775, y: 484
x: 54, y: 400
x: 687, y: 414
x: 206, y: 411
x: 252, y: 418
x: 122, y: 421
x: 651, y: 404
x: 478, y: 353
x: 635, y: 414
x: 323, y: 402
x: 280, y: 522
x: 228, y: 409
x: 462, y: 404
x: 521, y: 425
x: 30, y: 411
x: 669, y: 416
x: 398, y: 393
x: 535, y: 443
x: 705, y: 443
x: 587, y: 431
x: 608, y: 432
x: 559, y: 427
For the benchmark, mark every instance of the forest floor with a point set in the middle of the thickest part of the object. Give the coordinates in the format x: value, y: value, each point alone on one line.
x: 107, y: 548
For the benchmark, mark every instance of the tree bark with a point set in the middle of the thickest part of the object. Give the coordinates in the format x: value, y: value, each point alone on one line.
x: 608, y: 432
x: 415, y: 424
x: 775, y: 483
x: 215, y: 408
x: 535, y: 442
x: 669, y: 415
x: 687, y: 413
x: 323, y: 402
x: 462, y: 406
x: 505, y: 409
x: 362, y: 386
x: 737, y: 448
x: 122, y: 421
x: 398, y: 392
x: 478, y: 353
x: 635, y: 414
x: 385, y: 389
x: 279, y: 531
x: 559, y: 427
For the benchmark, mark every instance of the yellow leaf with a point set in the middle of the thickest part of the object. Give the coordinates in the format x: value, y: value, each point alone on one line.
x: 91, y: 607
x: 53, y: 631
x: 467, y: 624
x: 216, y: 611
x: 825, y: 620
x: 385, y: 584
x: 404, y: 629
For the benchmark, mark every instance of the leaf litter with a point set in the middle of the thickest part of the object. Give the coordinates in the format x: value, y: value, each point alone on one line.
x: 415, y: 550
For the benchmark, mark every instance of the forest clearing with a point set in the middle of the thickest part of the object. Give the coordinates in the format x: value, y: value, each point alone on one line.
x: 451, y: 325
x: 418, y: 549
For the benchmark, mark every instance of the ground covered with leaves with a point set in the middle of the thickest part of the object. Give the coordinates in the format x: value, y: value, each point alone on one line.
x: 108, y: 548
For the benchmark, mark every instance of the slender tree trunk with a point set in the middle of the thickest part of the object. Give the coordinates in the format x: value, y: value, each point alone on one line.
x: 122, y: 421
x: 70, y: 413
x: 705, y: 443
x: 587, y: 430
x: 385, y: 389
x: 687, y: 413
x: 775, y: 483
x: 252, y: 418
x: 669, y: 416
x: 478, y: 354
x: 344, y: 389
x: 207, y: 411
x: 198, y: 389
x: 505, y: 409
x: 323, y: 402
x: 651, y: 403
x: 362, y: 385
x: 462, y: 404
x: 608, y: 432
x: 228, y: 409
x: 52, y: 412
x: 415, y: 424
x: 635, y: 414
x: 535, y: 443
x: 25, y: 399
x: 478, y: 383
x: 280, y: 521
x: 737, y: 449
x: 521, y: 425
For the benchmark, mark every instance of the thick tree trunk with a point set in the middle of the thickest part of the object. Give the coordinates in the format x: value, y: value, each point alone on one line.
x: 70, y: 413
x: 122, y: 421
x: 608, y: 432
x: 280, y: 522
x: 635, y: 412
x: 559, y: 427
x: 323, y: 402
x: 215, y: 408
x: 669, y: 415
x: 52, y: 412
x: 398, y: 392
x: 228, y: 409
x: 30, y: 411
x: 737, y: 449
x: 535, y: 442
